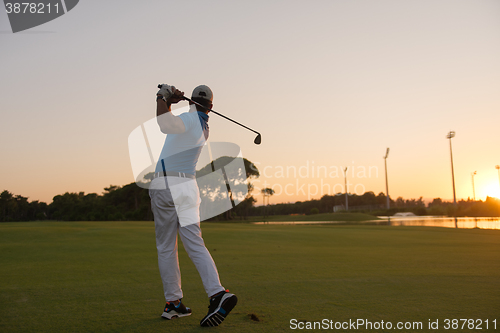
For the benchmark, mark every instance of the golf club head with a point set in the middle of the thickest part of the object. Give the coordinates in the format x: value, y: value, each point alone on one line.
x: 258, y: 139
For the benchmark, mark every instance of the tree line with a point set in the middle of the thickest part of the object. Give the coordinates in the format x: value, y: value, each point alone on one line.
x: 117, y: 203
x: 132, y: 203
x: 376, y: 205
x: 129, y: 202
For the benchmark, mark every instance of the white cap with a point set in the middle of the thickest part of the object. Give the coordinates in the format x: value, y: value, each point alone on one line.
x: 203, y: 92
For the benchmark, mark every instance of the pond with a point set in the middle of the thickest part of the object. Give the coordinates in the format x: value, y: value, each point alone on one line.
x: 422, y: 221
x: 446, y: 222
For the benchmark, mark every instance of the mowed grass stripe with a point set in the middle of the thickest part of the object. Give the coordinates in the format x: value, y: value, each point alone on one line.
x: 103, y: 276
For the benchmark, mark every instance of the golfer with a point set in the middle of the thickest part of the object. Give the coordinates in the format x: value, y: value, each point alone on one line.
x: 175, y: 202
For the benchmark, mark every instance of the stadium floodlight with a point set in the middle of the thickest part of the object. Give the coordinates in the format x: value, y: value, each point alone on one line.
x: 386, y: 181
x: 498, y: 168
x: 473, y: 188
x: 346, y: 199
x: 451, y: 135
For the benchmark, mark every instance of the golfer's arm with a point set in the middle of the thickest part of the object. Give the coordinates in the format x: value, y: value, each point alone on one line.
x: 169, y: 124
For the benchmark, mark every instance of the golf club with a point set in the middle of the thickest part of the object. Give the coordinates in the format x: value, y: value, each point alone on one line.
x: 257, y: 140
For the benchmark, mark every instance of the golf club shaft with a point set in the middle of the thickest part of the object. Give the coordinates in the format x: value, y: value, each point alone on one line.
x: 217, y: 113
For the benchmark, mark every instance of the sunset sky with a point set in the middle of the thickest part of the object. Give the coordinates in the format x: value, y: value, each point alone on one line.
x: 329, y: 84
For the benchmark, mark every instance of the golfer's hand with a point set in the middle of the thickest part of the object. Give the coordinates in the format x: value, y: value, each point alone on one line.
x: 176, y: 97
x: 166, y: 91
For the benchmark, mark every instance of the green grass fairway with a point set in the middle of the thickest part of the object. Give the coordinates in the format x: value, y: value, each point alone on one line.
x: 103, y: 276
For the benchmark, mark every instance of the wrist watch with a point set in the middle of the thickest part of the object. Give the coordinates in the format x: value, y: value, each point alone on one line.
x: 160, y: 97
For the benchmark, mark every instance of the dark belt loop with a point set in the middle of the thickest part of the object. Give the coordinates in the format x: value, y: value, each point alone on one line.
x: 163, y: 165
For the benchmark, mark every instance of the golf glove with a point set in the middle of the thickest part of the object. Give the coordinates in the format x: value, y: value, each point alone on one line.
x: 166, y: 91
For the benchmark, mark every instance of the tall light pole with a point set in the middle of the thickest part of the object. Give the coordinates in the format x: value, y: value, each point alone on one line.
x: 345, y: 180
x: 449, y: 136
x: 498, y: 168
x: 386, y: 181
x: 473, y: 188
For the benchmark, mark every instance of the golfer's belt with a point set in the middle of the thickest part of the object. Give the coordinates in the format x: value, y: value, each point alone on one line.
x: 174, y: 174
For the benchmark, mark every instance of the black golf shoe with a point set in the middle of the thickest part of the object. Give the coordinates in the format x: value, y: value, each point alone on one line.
x: 171, y: 311
x: 219, y: 308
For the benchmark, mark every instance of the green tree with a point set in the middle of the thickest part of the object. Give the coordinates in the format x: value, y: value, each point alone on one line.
x: 266, y: 193
x: 215, y: 190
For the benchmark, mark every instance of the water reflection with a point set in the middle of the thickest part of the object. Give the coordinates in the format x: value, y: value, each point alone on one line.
x: 446, y: 222
x: 422, y: 221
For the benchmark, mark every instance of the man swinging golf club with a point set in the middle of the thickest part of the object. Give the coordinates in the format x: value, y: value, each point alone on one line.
x: 175, y: 202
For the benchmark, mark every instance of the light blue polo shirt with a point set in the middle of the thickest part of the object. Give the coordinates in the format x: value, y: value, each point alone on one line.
x: 180, y: 152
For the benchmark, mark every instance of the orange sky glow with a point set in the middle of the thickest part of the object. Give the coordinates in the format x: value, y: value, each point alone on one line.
x: 329, y: 85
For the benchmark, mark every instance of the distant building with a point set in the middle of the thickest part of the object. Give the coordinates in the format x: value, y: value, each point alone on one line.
x: 404, y: 214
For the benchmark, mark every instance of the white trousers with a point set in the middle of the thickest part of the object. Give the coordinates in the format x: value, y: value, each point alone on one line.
x: 175, y: 204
